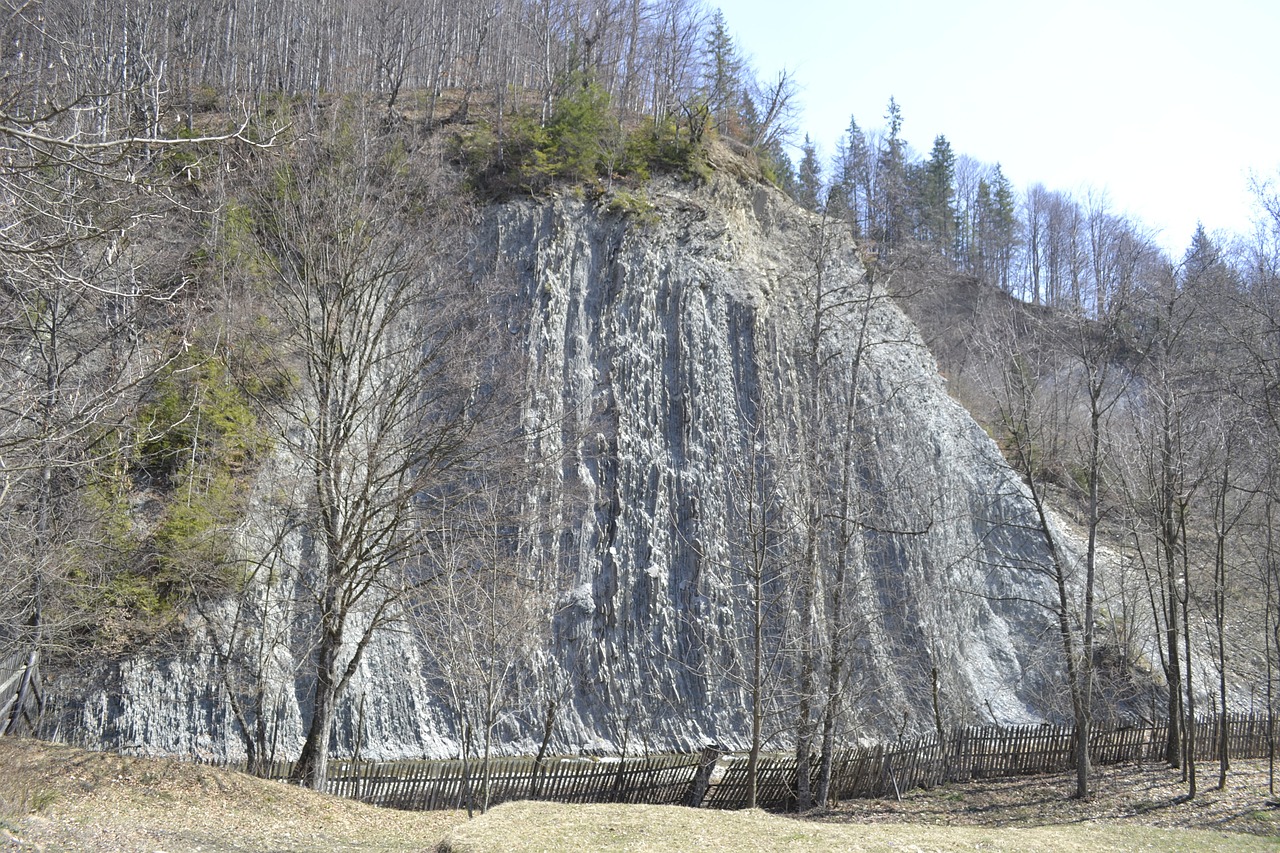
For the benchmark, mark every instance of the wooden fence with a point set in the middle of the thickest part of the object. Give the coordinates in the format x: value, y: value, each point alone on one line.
x: 716, y: 780
x: 713, y: 780
x: 424, y: 785
x: 978, y: 752
x: 19, y: 711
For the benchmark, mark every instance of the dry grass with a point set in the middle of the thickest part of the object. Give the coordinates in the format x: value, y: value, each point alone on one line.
x: 549, y: 828
x: 1124, y: 795
x: 1135, y: 808
x: 59, y: 798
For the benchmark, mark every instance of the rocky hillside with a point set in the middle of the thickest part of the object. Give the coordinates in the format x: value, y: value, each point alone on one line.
x: 734, y: 428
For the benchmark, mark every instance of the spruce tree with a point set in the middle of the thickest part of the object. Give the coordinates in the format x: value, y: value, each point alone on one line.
x: 809, y: 177
x: 937, y: 202
x: 722, y: 74
x: 891, y: 208
x: 1003, y: 226
x: 851, y: 184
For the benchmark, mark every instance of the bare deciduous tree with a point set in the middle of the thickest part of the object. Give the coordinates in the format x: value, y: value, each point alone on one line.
x: 391, y: 388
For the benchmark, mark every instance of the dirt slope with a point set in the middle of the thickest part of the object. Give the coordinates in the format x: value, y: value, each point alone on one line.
x: 60, y: 798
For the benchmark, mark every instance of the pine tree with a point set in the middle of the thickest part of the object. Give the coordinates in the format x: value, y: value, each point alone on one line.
x: 839, y: 204
x: 891, y: 208
x: 936, y: 202
x: 722, y: 74
x: 851, y: 185
x: 978, y: 243
x: 780, y: 169
x: 1003, y: 228
x: 991, y: 231
x: 809, y: 177
x: 1201, y: 256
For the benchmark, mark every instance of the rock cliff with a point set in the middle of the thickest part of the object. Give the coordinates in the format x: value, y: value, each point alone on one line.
x: 713, y: 375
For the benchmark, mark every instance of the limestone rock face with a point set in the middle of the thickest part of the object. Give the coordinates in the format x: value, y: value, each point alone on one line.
x: 712, y: 379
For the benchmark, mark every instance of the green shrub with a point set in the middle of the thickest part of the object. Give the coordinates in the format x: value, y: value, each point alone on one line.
x: 664, y: 147
x: 633, y: 204
x: 581, y: 143
x: 582, y: 133
x: 200, y: 438
x: 198, y: 412
x: 192, y: 541
x: 135, y: 591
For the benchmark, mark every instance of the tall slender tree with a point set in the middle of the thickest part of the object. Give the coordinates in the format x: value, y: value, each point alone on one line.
x: 388, y: 379
x: 892, y: 226
x: 936, y: 204
x: 809, y: 177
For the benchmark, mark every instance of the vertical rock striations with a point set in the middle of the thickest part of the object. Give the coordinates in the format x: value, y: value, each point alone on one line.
x: 681, y: 360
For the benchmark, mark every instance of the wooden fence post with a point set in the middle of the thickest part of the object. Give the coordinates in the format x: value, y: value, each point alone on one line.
x: 711, y: 753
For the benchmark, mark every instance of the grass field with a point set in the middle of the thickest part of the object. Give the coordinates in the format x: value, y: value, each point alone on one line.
x: 547, y: 828
x: 60, y: 798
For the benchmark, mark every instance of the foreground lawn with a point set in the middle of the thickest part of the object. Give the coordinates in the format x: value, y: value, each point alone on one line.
x: 55, y: 797
x: 548, y: 828
x: 59, y: 798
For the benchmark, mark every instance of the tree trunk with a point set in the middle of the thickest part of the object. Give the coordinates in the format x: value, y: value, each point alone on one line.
x: 826, y: 758
x: 1173, y: 674
x: 757, y: 689
x: 548, y: 727
x: 1083, y: 730
x: 835, y: 674
x: 1190, y: 733
x: 807, y: 680
x: 312, y: 768
x: 1084, y: 716
x: 1220, y: 617
x: 1169, y: 545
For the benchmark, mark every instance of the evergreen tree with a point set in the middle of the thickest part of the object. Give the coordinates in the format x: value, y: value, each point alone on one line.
x: 809, y: 177
x: 1003, y: 228
x: 978, y: 242
x: 839, y: 204
x: 936, y: 200
x: 1207, y: 272
x: 891, y: 208
x: 722, y: 75
x: 749, y: 116
x: 1201, y: 256
x: 851, y: 184
x: 991, y: 231
x: 780, y: 169
x: 860, y: 159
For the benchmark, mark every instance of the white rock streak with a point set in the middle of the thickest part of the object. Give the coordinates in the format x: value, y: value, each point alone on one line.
x: 653, y: 342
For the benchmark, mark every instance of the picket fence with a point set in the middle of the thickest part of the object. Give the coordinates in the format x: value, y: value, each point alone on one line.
x: 981, y: 752
x: 19, y: 712
x: 425, y: 785
x: 716, y: 780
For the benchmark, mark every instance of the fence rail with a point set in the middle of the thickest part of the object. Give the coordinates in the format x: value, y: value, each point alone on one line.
x: 983, y: 752
x: 19, y: 707
x: 975, y: 752
x: 426, y: 785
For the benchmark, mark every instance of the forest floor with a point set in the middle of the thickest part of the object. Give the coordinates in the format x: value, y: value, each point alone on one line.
x: 59, y: 798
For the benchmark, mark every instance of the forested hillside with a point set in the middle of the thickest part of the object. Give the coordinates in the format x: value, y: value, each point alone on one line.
x: 480, y: 338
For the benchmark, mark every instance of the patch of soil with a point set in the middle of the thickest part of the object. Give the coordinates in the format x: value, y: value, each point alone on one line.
x: 1151, y: 795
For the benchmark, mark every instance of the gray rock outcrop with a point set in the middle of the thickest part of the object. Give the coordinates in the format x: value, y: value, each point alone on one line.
x: 721, y: 344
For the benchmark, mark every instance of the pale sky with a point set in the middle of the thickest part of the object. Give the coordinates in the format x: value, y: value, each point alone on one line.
x: 1164, y: 105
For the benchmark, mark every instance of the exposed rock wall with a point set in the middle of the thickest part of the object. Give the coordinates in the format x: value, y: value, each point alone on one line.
x: 672, y: 354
